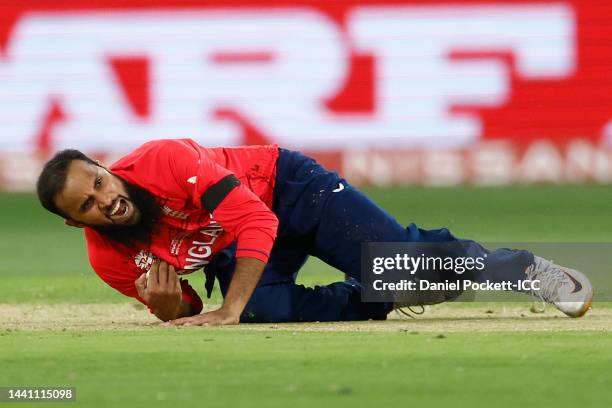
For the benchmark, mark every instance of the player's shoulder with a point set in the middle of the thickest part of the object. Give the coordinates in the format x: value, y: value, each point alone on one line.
x: 155, y: 151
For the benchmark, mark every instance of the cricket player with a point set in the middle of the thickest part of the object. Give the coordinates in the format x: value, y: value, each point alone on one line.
x: 250, y: 216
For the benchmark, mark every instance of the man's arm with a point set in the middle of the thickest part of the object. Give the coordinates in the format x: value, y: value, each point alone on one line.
x: 162, y: 292
x: 238, y: 210
x: 242, y: 213
x: 246, y: 275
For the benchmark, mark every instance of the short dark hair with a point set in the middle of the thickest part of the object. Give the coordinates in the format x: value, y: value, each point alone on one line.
x: 53, y: 177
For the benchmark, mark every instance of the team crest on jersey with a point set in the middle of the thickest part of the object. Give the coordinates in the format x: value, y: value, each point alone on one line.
x: 144, y: 260
x: 174, y: 213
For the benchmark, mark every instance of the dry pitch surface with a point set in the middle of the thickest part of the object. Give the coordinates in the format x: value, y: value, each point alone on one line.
x: 439, y: 318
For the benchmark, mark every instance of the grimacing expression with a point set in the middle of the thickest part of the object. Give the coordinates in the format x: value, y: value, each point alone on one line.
x: 94, y: 197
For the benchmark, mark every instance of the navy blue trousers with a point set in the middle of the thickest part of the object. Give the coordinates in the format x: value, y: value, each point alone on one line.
x: 320, y: 214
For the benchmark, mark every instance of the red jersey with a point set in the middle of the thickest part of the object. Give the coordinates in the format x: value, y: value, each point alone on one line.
x: 178, y: 173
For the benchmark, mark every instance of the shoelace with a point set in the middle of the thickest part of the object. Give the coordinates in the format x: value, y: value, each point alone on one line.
x: 551, y: 279
x: 400, y: 311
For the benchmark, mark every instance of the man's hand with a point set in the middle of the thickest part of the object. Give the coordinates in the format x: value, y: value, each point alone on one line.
x: 215, y: 318
x: 161, y: 291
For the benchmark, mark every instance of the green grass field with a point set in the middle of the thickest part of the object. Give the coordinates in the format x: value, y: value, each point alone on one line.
x: 61, y: 326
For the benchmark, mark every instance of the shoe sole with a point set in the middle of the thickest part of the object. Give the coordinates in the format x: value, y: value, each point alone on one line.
x: 586, y: 284
x: 585, y: 308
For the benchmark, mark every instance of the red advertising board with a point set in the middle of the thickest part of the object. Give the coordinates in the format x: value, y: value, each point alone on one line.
x: 432, y: 92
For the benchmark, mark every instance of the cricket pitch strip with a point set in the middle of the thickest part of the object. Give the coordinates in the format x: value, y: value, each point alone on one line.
x: 439, y: 318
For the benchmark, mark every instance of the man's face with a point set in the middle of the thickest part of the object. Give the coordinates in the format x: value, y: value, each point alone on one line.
x: 94, y: 197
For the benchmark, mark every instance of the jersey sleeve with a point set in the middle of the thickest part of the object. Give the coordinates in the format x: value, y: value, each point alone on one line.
x: 119, y: 271
x: 237, y: 209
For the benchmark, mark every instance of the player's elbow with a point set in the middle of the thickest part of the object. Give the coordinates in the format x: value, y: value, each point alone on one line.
x: 264, y: 221
x: 272, y: 224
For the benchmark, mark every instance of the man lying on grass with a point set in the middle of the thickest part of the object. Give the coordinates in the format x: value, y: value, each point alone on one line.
x: 250, y: 216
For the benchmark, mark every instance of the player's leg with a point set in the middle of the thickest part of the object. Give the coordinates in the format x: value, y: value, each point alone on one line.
x: 349, y: 218
x: 290, y: 302
x: 277, y: 298
x: 332, y: 219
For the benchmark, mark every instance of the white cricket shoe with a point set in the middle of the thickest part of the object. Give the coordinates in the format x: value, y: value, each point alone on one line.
x: 569, y: 290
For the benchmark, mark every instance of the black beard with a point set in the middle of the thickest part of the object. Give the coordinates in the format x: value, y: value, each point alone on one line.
x: 141, y: 232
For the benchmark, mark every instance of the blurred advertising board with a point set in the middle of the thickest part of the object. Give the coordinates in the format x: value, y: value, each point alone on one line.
x: 397, y: 92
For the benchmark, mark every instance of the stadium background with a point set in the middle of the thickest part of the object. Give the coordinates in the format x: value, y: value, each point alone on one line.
x: 505, y: 104
x: 421, y: 92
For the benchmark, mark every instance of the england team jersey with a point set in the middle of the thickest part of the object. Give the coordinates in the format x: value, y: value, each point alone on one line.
x: 178, y: 173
